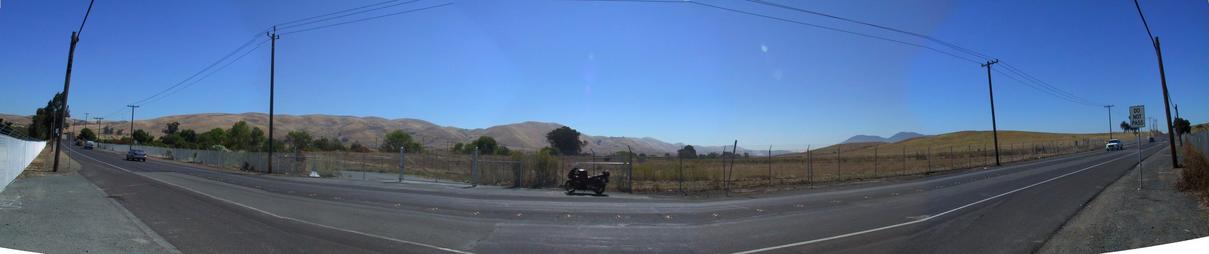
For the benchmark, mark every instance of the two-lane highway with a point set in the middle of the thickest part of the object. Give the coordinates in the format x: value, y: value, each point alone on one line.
x: 1011, y: 209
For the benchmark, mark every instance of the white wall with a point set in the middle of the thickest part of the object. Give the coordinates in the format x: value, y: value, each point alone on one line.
x: 15, y: 155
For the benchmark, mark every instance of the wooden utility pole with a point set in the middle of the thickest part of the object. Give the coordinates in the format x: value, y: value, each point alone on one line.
x: 272, y: 70
x: 132, y: 107
x: 991, y: 91
x: 62, y: 110
x: 1109, y: 108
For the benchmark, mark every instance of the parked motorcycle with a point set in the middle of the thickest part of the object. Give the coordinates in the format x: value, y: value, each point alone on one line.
x: 578, y: 179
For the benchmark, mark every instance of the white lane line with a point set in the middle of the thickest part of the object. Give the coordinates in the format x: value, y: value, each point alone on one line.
x: 280, y: 216
x: 923, y: 219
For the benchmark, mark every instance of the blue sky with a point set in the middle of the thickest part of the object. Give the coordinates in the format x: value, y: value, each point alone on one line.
x: 677, y: 72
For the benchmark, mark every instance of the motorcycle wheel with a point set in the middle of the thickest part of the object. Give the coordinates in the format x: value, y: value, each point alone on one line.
x: 570, y: 189
x: 599, y: 189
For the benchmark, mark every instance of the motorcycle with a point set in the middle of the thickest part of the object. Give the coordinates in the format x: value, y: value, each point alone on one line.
x: 578, y: 179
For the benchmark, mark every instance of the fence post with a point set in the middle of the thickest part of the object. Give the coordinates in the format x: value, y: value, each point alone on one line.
x: 769, y: 165
x: 929, y: 156
x: 474, y: 168
x: 952, y: 164
x: 630, y: 168
x: 875, y: 161
x: 838, y: 165
x: 401, y: 163
x: 809, y: 174
x: 680, y: 168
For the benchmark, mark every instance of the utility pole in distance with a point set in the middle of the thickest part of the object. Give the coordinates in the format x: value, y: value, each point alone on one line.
x: 71, y: 53
x: 272, y: 70
x: 991, y: 91
x: 98, y: 126
x: 1109, y: 107
x: 132, y: 107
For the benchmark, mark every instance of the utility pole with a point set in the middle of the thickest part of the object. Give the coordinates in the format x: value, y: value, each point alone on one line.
x: 272, y: 70
x: 99, y: 125
x: 1109, y: 108
x: 1158, y: 51
x: 991, y: 91
x: 132, y: 107
x: 85, y: 121
x: 62, y: 114
x: 1175, y: 160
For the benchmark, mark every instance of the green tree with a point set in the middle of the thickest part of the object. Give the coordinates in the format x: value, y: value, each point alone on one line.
x: 688, y: 152
x: 211, y: 138
x: 457, y: 148
x: 256, y: 140
x: 566, y: 140
x: 188, y: 138
x: 503, y: 150
x: 1181, y: 126
x: 298, y: 140
x: 172, y: 128
x: 141, y: 137
x: 44, y: 118
x: 485, y: 145
x: 239, y: 136
x: 87, y: 134
x: 1125, y: 127
x: 398, y: 138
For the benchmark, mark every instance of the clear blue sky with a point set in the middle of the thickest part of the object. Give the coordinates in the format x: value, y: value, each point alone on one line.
x: 677, y: 72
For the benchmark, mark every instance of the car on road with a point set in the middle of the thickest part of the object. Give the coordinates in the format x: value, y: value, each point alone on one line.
x: 136, y: 155
x: 88, y: 145
x: 1114, y: 145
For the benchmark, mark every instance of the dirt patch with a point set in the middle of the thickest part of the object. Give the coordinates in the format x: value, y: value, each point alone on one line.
x: 44, y: 164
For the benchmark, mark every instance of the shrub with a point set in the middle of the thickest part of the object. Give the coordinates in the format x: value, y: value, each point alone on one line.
x: 1195, y: 176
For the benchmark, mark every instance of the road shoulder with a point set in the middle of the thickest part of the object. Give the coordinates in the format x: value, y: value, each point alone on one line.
x: 63, y: 212
x: 1122, y: 217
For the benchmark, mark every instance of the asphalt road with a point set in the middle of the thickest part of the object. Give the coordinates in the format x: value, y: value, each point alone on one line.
x: 1009, y: 209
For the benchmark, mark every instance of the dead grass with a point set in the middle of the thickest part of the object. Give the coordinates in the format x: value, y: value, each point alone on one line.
x: 1195, y: 175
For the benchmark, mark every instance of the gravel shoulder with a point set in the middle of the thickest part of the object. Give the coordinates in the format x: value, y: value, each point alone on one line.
x: 1123, y: 217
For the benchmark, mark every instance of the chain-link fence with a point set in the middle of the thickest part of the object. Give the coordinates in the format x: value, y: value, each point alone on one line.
x: 633, y: 173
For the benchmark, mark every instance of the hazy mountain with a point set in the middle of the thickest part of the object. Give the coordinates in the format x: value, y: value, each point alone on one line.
x: 865, y: 139
x: 878, y: 139
x: 904, y: 136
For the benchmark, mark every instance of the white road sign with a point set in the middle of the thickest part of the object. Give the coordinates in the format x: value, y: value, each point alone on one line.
x: 1137, y: 116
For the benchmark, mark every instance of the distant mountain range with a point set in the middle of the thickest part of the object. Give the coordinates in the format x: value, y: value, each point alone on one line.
x: 878, y: 139
x: 369, y: 131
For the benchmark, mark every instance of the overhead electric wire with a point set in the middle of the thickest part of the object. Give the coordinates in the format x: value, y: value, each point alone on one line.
x: 345, y: 15
x: 203, y: 70
x: 86, y: 12
x: 366, y: 19
x: 220, y: 68
x: 1028, y: 80
x: 930, y: 38
x: 1040, y: 84
x: 335, y: 12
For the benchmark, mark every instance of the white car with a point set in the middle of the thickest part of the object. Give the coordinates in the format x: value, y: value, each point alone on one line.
x: 1113, y: 145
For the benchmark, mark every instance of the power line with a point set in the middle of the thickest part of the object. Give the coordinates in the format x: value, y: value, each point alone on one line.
x: 1029, y: 80
x: 335, y: 12
x: 366, y: 19
x: 1040, y: 84
x: 930, y: 38
x: 220, y: 68
x: 81, y: 30
x: 345, y: 15
x: 203, y: 70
